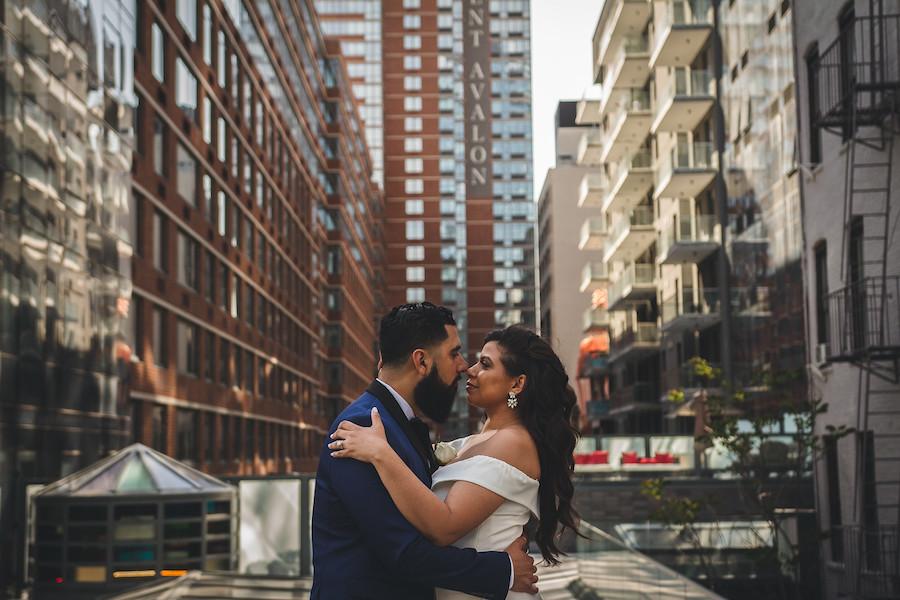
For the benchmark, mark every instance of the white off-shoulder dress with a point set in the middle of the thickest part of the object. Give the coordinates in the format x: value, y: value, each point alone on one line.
x: 500, y: 529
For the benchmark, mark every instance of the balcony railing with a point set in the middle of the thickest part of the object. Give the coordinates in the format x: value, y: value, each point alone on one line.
x: 644, y: 334
x: 864, y: 320
x: 683, y: 14
x: 686, y: 83
x: 750, y: 301
x: 685, y: 376
x: 871, y: 557
x: 687, y: 157
x: 690, y: 302
x: 593, y: 275
x: 590, y: 146
x: 687, y: 229
x: 859, y: 72
x: 595, y: 318
x: 632, y: 47
x: 640, y: 159
x: 593, y: 189
x: 593, y: 233
x: 642, y: 216
x: 635, y: 274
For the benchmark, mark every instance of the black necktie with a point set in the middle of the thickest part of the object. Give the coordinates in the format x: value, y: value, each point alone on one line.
x: 420, y: 428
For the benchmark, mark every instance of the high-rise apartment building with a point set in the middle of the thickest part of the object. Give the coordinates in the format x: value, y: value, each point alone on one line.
x: 457, y: 181
x: 570, y: 242
x: 848, y: 66
x: 256, y: 236
x: 695, y: 131
x: 192, y: 241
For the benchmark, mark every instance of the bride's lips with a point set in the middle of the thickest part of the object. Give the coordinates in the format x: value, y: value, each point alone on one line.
x: 470, y: 385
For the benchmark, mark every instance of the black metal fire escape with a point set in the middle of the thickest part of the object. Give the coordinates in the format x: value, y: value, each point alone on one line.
x: 858, y: 83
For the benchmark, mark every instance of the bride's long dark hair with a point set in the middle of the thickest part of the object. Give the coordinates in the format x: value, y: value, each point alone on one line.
x: 545, y: 408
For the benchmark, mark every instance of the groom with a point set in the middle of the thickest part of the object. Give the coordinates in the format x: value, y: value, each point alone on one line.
x: 362, y: 545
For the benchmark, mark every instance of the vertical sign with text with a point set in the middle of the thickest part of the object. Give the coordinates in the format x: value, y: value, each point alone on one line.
x: 476, y: 64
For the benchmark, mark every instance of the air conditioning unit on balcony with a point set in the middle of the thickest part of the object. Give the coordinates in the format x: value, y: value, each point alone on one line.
x: 821, y: 353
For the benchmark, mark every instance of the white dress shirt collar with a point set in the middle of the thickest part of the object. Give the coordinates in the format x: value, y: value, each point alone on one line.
x: 404, y: 405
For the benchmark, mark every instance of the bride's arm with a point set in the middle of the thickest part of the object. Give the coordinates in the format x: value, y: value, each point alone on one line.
x: 441, y: 522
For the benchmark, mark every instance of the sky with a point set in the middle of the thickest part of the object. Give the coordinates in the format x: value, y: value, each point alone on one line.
x: 561, y: 32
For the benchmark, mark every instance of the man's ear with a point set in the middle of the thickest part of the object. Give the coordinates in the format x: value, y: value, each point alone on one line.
x: 420, y: 361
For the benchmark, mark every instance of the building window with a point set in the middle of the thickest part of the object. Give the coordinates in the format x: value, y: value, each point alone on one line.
x: 187, y: 339
x: 412, y: 144
x: 186, y: 10
x: 411, y: 3
x: 158, y: 418
x: 821, y: 273
x: 185, y: 428
x: 415, y: 274
x: 159, y: 146
x: 815, y: 132
x: 412, y: 83
x: 415, y: 253
x: 160, y: 357
x: 186, y: 90
x: 415, y: 294
x: 412, y: 42
x: 187, y: 260
x: 414, y: 186
x: 186, y: 174
x: 412, y: 63
x: 207, y: 34
x: 412, y: 21
x: 847, y: 36
x: 415, y: 206
x: 412, y: 103
x: 157, y: 54
x: 412, y: 124
x: 415, y: 230
x: 160, y: 241
x: 413, y: 165
x: 833, y: 483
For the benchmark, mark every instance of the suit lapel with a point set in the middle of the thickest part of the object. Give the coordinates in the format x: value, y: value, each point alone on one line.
x: 387, y: 399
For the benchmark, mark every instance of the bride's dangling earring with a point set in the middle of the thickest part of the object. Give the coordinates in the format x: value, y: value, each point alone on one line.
x: 512, y: 402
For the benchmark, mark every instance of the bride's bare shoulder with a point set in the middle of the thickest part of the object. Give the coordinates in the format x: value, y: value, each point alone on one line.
x: 514, y: 445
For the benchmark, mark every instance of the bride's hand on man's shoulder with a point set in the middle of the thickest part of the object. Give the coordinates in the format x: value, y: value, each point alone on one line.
x: 366, y: 444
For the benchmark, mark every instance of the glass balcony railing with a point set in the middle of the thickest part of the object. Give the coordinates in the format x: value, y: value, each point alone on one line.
x: 633, y: 46
x: 640, y: 159
x: 593, y: 189
x: 642, y: 216
x: 639, y: 334
x: 686, y: 83
x: 590, y: 145
x: 690, y: 301
x: 634, y: 100
x: 595, y: 317
x: 593, y: 232
x: 593, y: 273
x: 683, y: 13
x: 635, y: 274
x: 687, y: 156
x: 687, y: 229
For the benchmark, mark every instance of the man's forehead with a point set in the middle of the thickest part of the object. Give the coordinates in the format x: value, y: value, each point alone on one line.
x: 452, y: 340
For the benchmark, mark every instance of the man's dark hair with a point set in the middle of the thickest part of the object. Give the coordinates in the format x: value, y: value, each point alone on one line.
x: 412, y: 326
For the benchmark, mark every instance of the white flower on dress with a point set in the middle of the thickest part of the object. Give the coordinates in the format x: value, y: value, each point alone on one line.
x: 444, y: 452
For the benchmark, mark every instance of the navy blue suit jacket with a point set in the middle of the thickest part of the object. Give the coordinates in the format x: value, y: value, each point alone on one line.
x: 362, y: 545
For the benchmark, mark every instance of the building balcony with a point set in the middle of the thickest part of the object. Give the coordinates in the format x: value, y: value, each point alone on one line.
x: 750, y: 302
x: 686, y: 27
x: 684, y: 377
x: 632, y: 181
x: 625, y: 17
x: 594, y: 276
x: 630, y: 66
x: 632, y: 235
x: 864, y: 321
x: 637, y: 284
x: 588, y: 108
x: 637, y: 341
x: 688, y: 239
x: 593, y: 190
x: 690, y: 310
x: 685, y: 101
x: 595, y: 318
x: 595, y: 364
x: 629, y: 124
x: 641, y: 396
x: 687, y: 170
x: 593, y: 234
x: 590, y: 147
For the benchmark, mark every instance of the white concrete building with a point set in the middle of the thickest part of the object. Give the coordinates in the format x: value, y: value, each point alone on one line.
x: 848, y: 57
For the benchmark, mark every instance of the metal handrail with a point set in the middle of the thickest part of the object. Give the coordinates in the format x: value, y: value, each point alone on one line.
x: 864, y: 318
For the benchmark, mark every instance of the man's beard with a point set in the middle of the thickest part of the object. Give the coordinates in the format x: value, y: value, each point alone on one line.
x: 434, y: 397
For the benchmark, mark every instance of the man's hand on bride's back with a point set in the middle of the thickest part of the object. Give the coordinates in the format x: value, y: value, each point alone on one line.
x: 524, y: 578
x: 366, y: 444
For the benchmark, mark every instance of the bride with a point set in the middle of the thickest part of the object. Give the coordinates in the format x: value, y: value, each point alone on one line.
x: 519, y: 465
